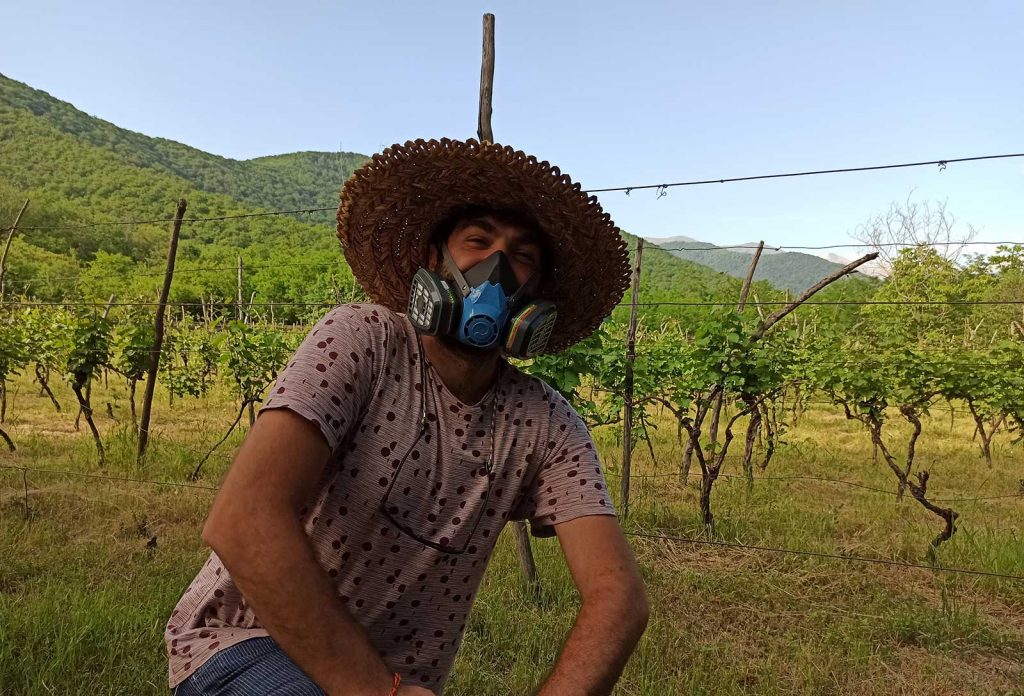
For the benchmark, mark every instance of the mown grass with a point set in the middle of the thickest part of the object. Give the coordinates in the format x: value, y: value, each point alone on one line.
x: 83, y: 599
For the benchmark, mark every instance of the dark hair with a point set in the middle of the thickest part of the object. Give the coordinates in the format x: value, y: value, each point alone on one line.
x: 458, y: 217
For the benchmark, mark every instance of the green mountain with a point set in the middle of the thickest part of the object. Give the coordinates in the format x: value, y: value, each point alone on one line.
x: 786, y: 270
x: 80, y: 170
x: 283, y: 182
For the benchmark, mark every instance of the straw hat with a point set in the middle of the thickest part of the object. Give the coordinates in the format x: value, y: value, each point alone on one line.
x: 391, y: 205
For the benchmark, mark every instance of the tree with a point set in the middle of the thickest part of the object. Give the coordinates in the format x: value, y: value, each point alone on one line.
x: 915, y: 224
x: 251, y: 356
x: 133, y: 342
x: 728, y: 359
x: 48, y: 343
x: 877, y: 375
x: 90, y: 334
x: 189, y: 357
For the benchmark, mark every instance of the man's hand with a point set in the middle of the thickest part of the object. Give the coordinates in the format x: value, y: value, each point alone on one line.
x: 414, y: 691
x: 613, y: 614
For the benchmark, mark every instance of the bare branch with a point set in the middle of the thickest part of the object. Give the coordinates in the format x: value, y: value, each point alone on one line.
x: 911, y: 223
x: 809, y: 292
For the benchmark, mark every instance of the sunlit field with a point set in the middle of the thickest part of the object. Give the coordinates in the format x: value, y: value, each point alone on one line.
x: 91, y: 567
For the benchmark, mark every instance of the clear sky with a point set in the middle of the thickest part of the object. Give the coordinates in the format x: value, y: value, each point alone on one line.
x: 615, y: 93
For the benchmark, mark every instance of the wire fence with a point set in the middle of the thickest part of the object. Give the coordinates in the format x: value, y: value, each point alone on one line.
x: 687, y: 303
x: 185, y: 221
x: 818, y: 554
x: 940, y: 358
x: 187, y: 271
x: 851, y: 245
x: 611, y: 474
x: 940, y: 163
x: 755, y: 479
x: 646, y: 534
x: 106, y: 477
x: 89, y: 277
x: 661, y: 189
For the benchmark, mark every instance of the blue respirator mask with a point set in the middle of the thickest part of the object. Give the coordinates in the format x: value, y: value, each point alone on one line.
x: 485, y: 308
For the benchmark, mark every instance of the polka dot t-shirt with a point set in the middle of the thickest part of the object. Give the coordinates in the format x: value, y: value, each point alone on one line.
x: 410, y: 506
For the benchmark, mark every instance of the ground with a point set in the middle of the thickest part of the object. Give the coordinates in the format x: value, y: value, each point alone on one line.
x: 88, y: 579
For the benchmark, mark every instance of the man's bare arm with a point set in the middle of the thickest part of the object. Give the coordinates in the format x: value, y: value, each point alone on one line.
x: 613, y: 613
x: 254, y: 528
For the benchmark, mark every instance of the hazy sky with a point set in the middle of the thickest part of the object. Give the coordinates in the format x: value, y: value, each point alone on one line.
x: 615, y: 93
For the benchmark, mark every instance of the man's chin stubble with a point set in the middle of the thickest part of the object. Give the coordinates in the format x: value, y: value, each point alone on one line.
x: 465, y: 352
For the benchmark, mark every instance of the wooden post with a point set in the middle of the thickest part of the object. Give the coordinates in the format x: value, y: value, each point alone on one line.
x: 750, y: 277
x: 744, y: 291
x: 7, y: 248
x: 754, y: 424
x: 110, y: 304
x: 483, y: 128
x: 486, y: 135
x: 241, y: 316
x: 158, y: 339
x: 334, y: 286
x: 627, y: 416
x: 248, y: 319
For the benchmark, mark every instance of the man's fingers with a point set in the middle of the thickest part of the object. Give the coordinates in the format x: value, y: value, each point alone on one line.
x: 414, y: 691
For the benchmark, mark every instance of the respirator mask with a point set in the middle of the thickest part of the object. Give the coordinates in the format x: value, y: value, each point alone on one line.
x: 484, y: 308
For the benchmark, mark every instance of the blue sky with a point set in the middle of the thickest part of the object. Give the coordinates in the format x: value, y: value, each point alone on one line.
x: 615, y: 93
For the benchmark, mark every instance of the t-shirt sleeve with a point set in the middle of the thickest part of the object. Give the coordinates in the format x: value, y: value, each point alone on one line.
x: 569, y: 483
x: 333, y: 374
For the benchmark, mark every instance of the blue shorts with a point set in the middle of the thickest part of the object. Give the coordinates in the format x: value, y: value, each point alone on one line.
x: 256, y: 666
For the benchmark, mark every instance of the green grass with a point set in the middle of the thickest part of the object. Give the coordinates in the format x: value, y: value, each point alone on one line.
x: 83, y: 601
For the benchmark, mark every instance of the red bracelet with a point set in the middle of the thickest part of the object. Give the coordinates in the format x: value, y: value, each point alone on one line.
x: 398, y: 682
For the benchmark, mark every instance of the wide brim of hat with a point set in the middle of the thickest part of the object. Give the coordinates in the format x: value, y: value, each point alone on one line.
x: 390, y: 207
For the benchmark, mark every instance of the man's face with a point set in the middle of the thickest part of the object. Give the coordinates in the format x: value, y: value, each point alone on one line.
x: 476, y: 239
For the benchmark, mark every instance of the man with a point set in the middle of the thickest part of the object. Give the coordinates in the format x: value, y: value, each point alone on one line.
x: 354, y: 526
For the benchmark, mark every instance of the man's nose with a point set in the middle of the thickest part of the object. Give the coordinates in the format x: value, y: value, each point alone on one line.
x: 500, y: 245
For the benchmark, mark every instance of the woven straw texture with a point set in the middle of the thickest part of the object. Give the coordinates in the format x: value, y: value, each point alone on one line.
x: 391, y: 205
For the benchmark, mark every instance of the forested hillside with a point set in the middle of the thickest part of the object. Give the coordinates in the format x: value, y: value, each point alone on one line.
x: 297, y: 180
x: 79, y: 170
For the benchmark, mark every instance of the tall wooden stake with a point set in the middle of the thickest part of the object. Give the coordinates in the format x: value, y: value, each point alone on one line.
x: 7, y: 248
x: 483, y: 128
x: 745, y: 290
x: 241, y: 316
x: 627, y: 416
x: 486, y: 135
x: 158, y: 339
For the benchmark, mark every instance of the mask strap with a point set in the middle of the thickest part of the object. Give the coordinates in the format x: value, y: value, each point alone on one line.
x: 460, y: 279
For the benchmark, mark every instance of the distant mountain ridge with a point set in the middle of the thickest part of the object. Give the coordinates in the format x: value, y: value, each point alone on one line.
x: 786, y: 270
